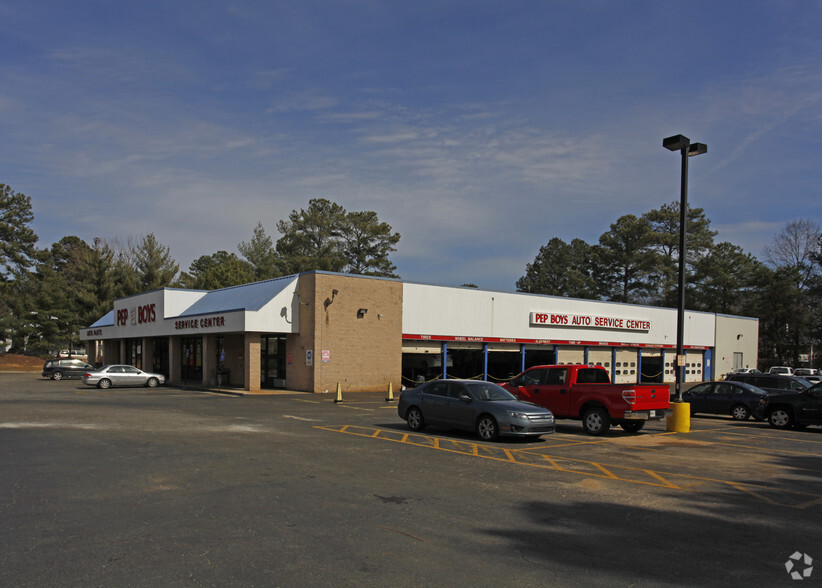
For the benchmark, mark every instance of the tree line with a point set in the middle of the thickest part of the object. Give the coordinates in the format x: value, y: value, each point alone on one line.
x: 637, y: 261
x: 48, y: 295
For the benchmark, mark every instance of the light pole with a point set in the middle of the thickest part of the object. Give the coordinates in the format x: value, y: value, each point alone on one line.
x: 682, y: 144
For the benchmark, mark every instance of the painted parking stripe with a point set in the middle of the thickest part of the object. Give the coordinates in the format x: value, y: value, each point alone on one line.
x: 536, y: 457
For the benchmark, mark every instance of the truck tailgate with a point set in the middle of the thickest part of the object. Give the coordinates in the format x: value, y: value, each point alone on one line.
x: 647, y: 396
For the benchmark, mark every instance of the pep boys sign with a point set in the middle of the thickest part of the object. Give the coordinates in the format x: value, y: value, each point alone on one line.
x: 543, y: 319
x: 137, y: 315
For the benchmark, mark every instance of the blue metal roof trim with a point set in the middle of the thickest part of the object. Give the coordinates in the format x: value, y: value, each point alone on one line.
x: 245, y: 297
x: 106, y: 321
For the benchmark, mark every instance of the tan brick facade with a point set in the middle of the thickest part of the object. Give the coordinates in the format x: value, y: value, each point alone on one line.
x: 360, y: 352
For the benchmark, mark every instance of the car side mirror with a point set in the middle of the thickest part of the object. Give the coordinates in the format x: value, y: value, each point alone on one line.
x: 464, y: 397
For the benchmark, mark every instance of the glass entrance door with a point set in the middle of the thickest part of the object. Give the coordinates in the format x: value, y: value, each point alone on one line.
x: 192, y: 359
x: 272, y: 361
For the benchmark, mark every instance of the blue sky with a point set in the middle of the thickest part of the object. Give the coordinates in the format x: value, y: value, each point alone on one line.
x: 477, y: 130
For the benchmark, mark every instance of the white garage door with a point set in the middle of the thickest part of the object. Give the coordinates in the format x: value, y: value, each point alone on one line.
x: 626, y: 366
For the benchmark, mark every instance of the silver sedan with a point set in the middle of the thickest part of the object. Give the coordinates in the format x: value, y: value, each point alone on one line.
x: 122, y: 375
x: 473, y: 405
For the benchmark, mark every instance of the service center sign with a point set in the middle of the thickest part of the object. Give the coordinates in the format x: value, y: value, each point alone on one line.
x: 544, y: 319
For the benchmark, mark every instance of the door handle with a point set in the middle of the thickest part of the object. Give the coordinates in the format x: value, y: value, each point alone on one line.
x: 563, y: 391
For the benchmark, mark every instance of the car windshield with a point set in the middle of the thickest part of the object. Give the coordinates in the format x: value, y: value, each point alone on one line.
x: 489, y: 391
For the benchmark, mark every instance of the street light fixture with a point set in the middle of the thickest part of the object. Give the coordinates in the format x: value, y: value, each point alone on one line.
x: 682, y: 144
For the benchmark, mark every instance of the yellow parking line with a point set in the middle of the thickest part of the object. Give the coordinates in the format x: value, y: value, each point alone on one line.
x: 534, y: 458
x: 780, y: 438
x: 743, y: 488
x: 664, y: 482
x: 608, y: 473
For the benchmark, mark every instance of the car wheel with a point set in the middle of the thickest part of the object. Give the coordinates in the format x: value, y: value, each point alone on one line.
x: 57, y: 376
x: 780, y: 418
x: 740, y: 412
x: 596, y: 421
x: 152, y: 382
x: 415, y: 420
x: 104, y: 384
x: 632, y: 426
x: 487, y: 428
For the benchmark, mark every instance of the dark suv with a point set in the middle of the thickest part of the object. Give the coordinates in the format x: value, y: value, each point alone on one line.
x: 795, y: 409
x: 775, y: 383
x: 57, y: 369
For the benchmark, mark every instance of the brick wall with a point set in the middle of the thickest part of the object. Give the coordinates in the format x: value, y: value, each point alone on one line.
x: 364, y: 353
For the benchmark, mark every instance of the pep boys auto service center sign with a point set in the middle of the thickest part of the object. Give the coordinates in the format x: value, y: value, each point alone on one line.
x: 543, y: 319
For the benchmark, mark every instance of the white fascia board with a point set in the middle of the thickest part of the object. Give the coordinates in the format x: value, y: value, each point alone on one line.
x: 469, y: 312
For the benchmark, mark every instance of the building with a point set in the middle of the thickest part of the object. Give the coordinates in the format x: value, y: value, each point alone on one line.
x: 316, y: 330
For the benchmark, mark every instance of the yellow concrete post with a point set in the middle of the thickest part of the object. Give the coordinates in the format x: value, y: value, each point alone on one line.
x: 339, y: 393
x: 390, y: 392
x: 680, y: 420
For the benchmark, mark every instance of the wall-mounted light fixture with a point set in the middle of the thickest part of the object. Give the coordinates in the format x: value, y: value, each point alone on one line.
x: 328, y: 301
x: 361, y: 312
x: 300, y: 300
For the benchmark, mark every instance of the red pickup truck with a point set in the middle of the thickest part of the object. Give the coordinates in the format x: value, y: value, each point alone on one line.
x: 586, y: 393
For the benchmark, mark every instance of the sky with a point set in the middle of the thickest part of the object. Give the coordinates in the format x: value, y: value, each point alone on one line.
x: 479, y: 130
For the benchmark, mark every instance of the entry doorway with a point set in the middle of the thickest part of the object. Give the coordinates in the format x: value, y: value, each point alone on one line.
x: 159, y: 362
x: 192, y: 359
x: 272, y: 361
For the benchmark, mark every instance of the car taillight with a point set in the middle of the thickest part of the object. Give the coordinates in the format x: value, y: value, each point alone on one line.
x: 629, y: 396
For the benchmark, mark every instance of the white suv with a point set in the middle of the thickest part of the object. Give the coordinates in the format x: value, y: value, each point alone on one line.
x: 781, y: 369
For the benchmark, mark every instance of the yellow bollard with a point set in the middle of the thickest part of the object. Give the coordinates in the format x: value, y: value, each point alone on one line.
x: 390, y: 392
x: 339, y: 393
x: 680, y: 420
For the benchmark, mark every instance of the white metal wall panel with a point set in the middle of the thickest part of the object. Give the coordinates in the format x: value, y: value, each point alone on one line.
x: 469, y: 312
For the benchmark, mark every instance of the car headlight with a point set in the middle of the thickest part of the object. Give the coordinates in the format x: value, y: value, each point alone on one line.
x: 517, y: 415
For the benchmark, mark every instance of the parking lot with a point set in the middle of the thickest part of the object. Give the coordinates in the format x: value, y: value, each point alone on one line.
x: 168, y: 486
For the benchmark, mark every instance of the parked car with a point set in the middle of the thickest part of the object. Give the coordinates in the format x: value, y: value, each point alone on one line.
x: 122, y: 375
x: 473, y: 405
x: 57, y: 368
x: 772, y: 382
x: 805, y: 372
x: 781, y: 369
x: 738, y: 399
x: 746, y: 370
x: 795, y: 409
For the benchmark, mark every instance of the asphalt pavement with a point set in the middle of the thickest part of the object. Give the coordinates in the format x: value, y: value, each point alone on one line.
x: 147, y: 487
